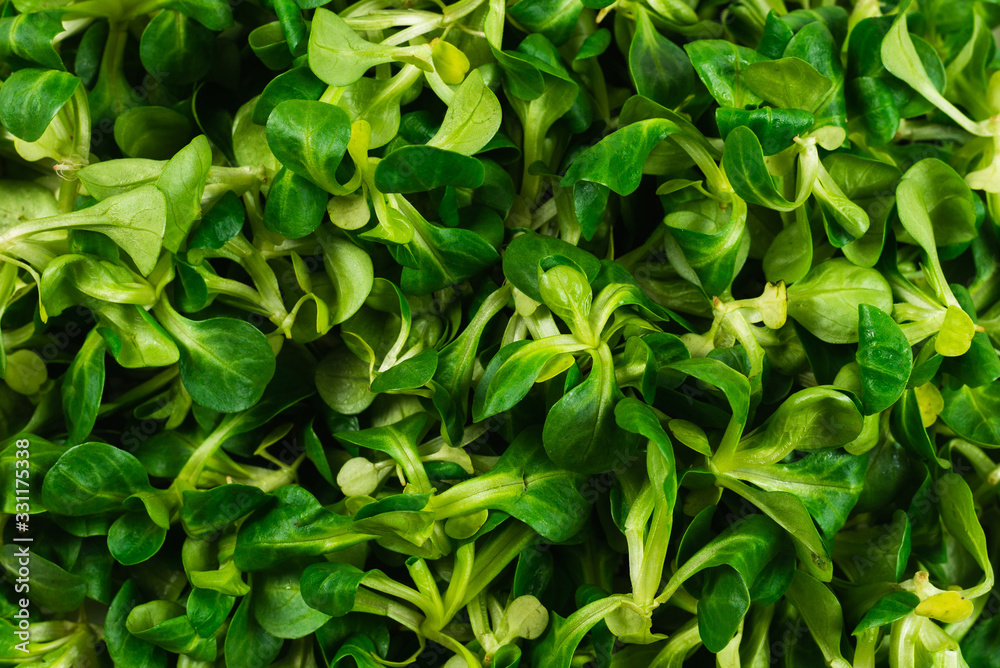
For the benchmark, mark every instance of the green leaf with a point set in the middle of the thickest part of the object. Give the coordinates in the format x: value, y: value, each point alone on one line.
x: 524, y: 483
x: 225, y: 363
x: 331, y: 588
x: 972, y: 412
x: 958, y: 512
x: 413, y: 169
x: 135, y: 537
x: 712, y: 239
x: 409, y: 374
x: 298, y: 83
x: 440, y: 257
x: 207, y: 513
x: 92, y: 478
x: 472, y: 119
x: 775, y: 128
x: 310, y: 138
x: 182, y: 183
x: 524, y: 255
x: 154, y: 133
x: 135, y: 220
x: 743, y: 159
x: 295, y: 206
x: 720, y: 66
x: 660, y: 69
x: 513, y: 371
x: 788, y: 83
x: 595, y: 44
x: 124, y: 648
x: 827, y: 482
x: 31, y: 98
x: 822, y: 613
x: 908, y: 428
x: 207, y: 610
x: 399, y: 441
x: 555, y: 19
x: 49, y: 584
x: 889, y: 608
x: 83, y: 386
x: 278, y: 606
x: 788, y: 511
x: 180, y: 50
x: 810, y: 419
x: 247, y: 644
x: 901, y: 58
x: 827, y: 299
x: 220, y: 224
x: 581, y: 425
x: 339, y: 56
x: 885, y: 358
x: 30, y: 36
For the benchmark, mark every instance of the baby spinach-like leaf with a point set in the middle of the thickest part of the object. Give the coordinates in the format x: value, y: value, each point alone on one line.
x: 789, y: 512
x: 248, y: 643
x: 720, y: 65
x: 744, y: 163
x: 298, y: 83
x: 661, y: 70
x: 408, y: 374
x: 124, y: 648
x: 814, y: 44
x: 219, y: 224
x: 775, y: 128
x: 182, y: 183
x: 823, y: 303
x: 224, y: 363
x: 900, y: 57
x: 92, y: 478
x: 525, y: 484
x: 339, y: 56
x: 958, y: 513
x: 526, y: 252
x: 788, y: 83
x: 827, y: 482
x: 712, y: 239
x: 885, y: 358
x: 555, y: 19
x: 31, y: 37
x: 278, y: 606
x: 207, y: 610
x: 971, y: 412
x: 331, y: 587
x: 49, y: 584
x: 296, y: 205
x: 399, y: 441
x: 206, y: 513
x: 83, y: 387
x: 154, y: 133
x: 413, y: 169
x: 513, y: 371
x: 135, y: 537
x: 576, y: 436
x: 310, y: 138
x: 908, y: 428
x: 135, y: 220
x: 472, y: 119
x: 179, y: 49
x: 810, y: 419
x: 31, y: 98
x: 889, y: 608
x: 822, y: 614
